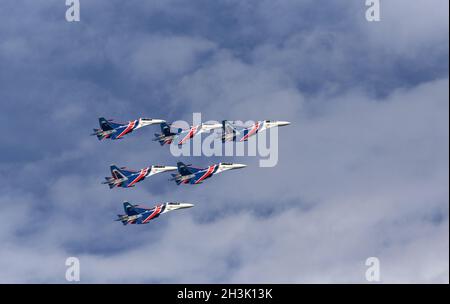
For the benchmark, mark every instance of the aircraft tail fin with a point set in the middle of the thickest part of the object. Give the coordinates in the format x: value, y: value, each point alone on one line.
x: 184, y: 169
x: 117, y: 172
x: 118, y: 176
x: 228, y: 131
x: 104, y: 124
x: 129, y: 208
x: 165, y: 129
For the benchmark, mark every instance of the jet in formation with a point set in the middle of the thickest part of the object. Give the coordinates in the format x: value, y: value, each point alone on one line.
x: 181, y: 136
x: 234, y: 132
x: 190, y: 175
x: 125, y: 178
x: 115, y: 130
x: 139, y: 215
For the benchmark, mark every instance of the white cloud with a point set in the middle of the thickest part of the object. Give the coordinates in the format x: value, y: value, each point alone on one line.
x: 151, y: 58
x: 358, y: 176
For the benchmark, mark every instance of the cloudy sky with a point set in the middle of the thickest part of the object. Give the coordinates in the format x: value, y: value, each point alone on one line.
x: 363, y: 170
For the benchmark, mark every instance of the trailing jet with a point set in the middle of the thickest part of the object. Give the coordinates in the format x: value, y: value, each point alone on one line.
x: 114, y: 130
x: 190, y: 175
x: 182, y: 136
x: 123, y: 177
x: 232, y: 132
x: 138, y: 215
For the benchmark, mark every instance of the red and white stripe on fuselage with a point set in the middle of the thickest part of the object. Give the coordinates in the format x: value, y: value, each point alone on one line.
x: 251, y: 132
x: 128, y: 129
x: 142, y: 174
x: 153, y: 214
x: 207, y: 173
x: 191, y: 134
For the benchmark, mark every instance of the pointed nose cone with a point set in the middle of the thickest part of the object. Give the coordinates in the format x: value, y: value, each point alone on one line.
x: 177, y: 206
x: 238, y: 166
x: 186, y: 205
x: 283, y: 123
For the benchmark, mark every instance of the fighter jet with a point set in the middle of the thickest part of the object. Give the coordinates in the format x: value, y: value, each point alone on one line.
x: 182, y: 136
x: 190, y: 175
x: 138, y: 215
x: 233, y: 132
x: 115, y: 130
x: 125, y: 178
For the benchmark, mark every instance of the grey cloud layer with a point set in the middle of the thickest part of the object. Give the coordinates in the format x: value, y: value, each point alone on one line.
x: 363, y: 169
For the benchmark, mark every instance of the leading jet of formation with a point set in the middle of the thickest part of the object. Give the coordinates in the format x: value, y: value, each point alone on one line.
x: 190, y: 175
x: 114, y: 130
x: 125, y: 178
x: 139, y: 215
x: 181, y: 136
x: 233, y: 132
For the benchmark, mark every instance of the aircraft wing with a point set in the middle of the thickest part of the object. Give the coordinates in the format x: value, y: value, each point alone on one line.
x: 165, y: 129
x: 184, y: 136
x: 119, y: 131
x: 239, y: 133
x: 199, y: 177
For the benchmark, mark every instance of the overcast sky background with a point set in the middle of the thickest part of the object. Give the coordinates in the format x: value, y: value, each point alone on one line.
x: 363, y: 170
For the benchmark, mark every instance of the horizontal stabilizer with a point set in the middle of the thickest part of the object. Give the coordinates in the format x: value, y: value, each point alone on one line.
x: 160, y: 138
x: 99, y: 133
x: 123, y: 219
x: 177, y: 178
